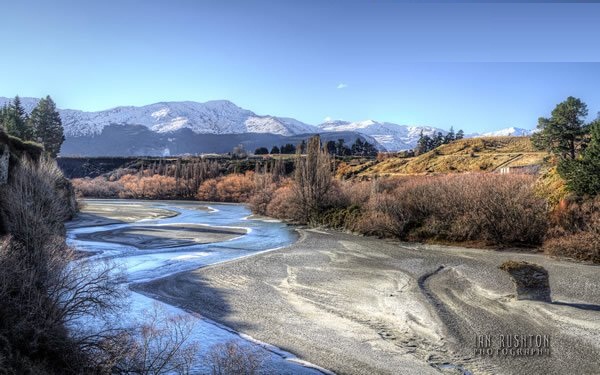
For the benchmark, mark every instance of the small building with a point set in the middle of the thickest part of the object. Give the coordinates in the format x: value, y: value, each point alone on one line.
x: 520, y: 169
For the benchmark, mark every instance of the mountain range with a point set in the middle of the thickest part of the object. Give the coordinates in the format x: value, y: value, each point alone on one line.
x: 214, y: 126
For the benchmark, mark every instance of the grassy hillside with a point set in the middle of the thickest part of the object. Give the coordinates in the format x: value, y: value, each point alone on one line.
x: 466, y: 155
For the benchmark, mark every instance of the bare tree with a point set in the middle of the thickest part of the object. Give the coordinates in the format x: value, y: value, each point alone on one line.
x: 49, y: 294
x: 232, y: 358
x: 313, y: 178
x: 160, y: 344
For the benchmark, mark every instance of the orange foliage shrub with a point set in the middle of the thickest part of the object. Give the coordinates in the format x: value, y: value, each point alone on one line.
x: 97, y: 187
x: 285, y: 204
x: 230, y: 188
x: 265, y: 185
x: 151, y: 187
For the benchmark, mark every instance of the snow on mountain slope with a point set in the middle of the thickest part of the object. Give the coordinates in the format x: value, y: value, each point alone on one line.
x: 213, y: 117
x: 393, y: 137
x: 224, y: 117
x: 277, y: 125
x: 27, y: 103
x: 512, y: 131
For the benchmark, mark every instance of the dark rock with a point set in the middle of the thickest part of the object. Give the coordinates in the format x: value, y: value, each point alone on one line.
x: 4, y: 158
x: 531, y: 280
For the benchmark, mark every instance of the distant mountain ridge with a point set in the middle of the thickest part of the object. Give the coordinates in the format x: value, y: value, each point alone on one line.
x: 508, y: 132
x: 222, y: 117
x: 213, y: 117
x: 393, y: 137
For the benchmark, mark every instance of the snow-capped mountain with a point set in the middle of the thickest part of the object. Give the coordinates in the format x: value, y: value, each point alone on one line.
x: 393, y: 137
x: 213, y: 117
x: 512, y: 131
x: 222, y: 117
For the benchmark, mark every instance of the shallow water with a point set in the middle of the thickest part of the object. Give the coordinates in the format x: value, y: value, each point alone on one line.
x: 144, y: 265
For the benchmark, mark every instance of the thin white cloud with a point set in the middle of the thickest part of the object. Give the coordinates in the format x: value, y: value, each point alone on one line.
x: 342, y: 86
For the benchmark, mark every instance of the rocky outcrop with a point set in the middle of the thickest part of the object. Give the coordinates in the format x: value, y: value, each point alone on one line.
x: 531, y: 280
x: 4, y: 160
x: 12, y: 151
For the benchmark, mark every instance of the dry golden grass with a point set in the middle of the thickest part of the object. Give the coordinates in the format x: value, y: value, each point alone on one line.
x: 466, y: 155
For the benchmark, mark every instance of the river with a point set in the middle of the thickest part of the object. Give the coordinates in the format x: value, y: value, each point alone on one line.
x: 140, y: 264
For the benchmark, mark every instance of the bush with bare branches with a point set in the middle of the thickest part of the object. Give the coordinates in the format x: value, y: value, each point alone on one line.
x: 575, y: 229
x: 98, y: 187
x: 497, y: 209
x: 234, y: 358
x: 50, y: 295
x: 41, y: 291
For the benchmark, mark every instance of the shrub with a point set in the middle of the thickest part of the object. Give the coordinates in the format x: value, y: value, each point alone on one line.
x: 97, y: 187
x: 285, y: 205
x: 575, y: 229
x: 149, y: 187
x: 500, y: 210
x: 41, y: 292
x: 265, y: 185
x: 581, y: 246
x: 233, y: 358
x: 231, y: 188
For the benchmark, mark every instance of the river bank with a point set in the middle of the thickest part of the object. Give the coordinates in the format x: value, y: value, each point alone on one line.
x: 221, y: 232
x: 361, y: 305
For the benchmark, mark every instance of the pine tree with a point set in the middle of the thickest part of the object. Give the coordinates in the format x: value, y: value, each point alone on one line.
x: 275, y: 150
x: 17, y: 122
x: 583, y: 175
x: 302, y: 147
x: 47, y: 125
x: 3, y: 116
x: 339, y: 147
x: 369, y: 149
x: 261, y: 151
x: 357, y: 147
x: 423, y: 144
x: 564, y: 132
x: 439, y: 140
x: 460, y: 134
x: 450, y: 136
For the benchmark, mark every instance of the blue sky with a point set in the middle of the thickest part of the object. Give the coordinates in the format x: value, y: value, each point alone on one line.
x: 473, y: 66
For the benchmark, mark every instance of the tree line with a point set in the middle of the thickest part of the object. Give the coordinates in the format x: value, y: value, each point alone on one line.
x: 43, y: 125
x: 337, y: 148
x: 427, y: 143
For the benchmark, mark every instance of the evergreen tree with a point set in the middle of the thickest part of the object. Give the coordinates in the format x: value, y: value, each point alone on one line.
x: 275, y: 150
x: 583, y: 175
x: 339, y: 147
x: 564, y: 132
x: 423, y: 144
x: 17, y: 122
x: 3, y: 116
x: 302, y: 147
x: 439, y: 140
x: 450, y: 136
x: 357, y: 147
x: 288, y: 148
x: 369, y: 149
x: 261, y: 151
x: 460, y: 134
x: 47, y: 125
x: 330, y: 146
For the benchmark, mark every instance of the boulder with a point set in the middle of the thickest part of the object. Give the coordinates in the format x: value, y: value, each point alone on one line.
x: 531, y: 280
